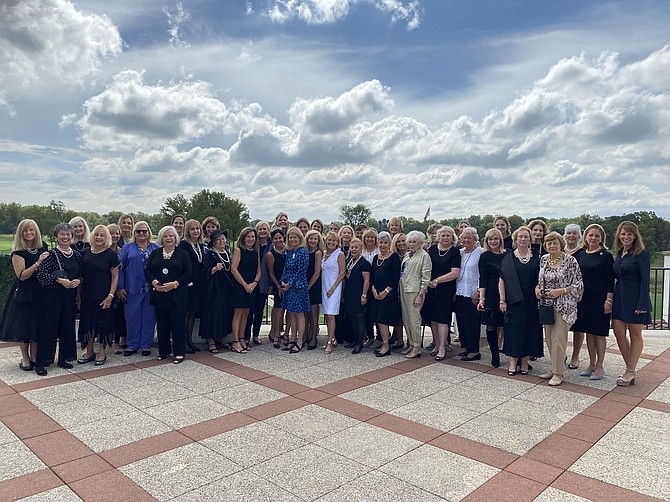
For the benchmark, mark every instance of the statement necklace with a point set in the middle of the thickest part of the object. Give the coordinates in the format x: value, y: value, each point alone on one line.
x: 167, y: 254
x: 440, y: 253
x: 554, y: 261
x: 594, y: 251
x: 32, y: 251
x: 197, y: 250
x: 223, y: 258
x: 67, y: 253
x: 350, y: 266
x: 523, y: 259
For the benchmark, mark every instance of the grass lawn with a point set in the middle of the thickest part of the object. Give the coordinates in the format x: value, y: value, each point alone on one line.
x: 6, y: 243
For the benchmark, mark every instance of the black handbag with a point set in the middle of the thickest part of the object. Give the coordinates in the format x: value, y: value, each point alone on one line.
x: 23, y: 293
x: 546, y: 313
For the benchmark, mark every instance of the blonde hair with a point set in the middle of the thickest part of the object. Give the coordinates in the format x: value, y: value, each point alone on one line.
x: 20, y: 243
x: 319, y: 245
x: 394, y: 242
x: 87, y: 232
x: 493, y: 232
x: 522, y: 228
x: 348, y: 227
x: 333, y: 235
x: 373, y: 232
x: 142, y: 222
x: 187, y: 229
x: 298, y: 232
x: 603, y: 235
x: 105, y: 231
x: 638, y: 244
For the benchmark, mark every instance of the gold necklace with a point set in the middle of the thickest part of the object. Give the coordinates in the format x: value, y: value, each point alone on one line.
x: 554, y: 261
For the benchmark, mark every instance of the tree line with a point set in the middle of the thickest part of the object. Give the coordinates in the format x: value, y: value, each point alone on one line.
x: 234, y: 216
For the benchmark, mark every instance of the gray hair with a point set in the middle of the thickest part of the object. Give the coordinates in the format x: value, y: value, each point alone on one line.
x: 471, y: 230
x: 573, y: 227
x: 63, y: 227
x: 384, y: 236
x: 416, y: 235
x: 168, y: 228
x: 447, y: 228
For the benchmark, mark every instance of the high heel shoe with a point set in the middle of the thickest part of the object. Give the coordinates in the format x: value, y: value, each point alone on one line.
x: 329, y: 347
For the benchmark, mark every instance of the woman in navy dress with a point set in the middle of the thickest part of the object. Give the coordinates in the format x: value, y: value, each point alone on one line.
x: 489, y: 296
x: 632, y: 307
x: 255, y: 317
x: 217, y: 315
x: 314, y: 245
x: 20, y: 318
x: 295, y: 299
x: 193, y: 244
x: 275, y: 260
x: 245, y: 266
x: 593, y: 312
x: 356, y: 287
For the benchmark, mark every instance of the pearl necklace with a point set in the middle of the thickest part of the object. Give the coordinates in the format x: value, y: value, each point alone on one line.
x: 167, y: 254
x: 66, y: 254
x: 351, y: 265
x: 197, y: 251
x: 224, y: 259
x: 379, y: 263
x: 439, y: 252
x: 523, y: 259
x: 32, y: 251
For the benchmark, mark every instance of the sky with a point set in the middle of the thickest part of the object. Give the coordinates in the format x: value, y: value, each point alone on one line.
x: 477, y: 107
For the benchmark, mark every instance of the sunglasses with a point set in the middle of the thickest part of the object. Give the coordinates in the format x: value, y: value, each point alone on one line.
x: 141, y: 231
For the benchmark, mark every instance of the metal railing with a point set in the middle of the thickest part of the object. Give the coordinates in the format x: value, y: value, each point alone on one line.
x: 659, y: 293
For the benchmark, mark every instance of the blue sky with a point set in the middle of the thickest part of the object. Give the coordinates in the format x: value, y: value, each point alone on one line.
x: 554, y: 108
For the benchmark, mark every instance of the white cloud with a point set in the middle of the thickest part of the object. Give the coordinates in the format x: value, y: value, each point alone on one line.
x: 175, y: 20
x: 331, y: 11
x: 43, y: 42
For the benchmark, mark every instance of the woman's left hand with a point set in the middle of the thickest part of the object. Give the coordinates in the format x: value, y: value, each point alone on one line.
x: 106, y: 303
x: 74, y: 283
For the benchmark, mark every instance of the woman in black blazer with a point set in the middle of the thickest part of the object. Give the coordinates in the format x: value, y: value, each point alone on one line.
x: 169, y: 272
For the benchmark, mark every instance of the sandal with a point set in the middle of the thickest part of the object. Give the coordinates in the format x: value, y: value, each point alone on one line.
x: 328, y: 348
x: 289, y: 345
x: 212, y: 348
x: 238, y: 351
x: 178, y: 359
x: 295, y: 349
x: 276, y: 342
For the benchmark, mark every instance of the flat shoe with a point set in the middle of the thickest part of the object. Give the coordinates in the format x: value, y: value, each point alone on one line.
x: 30, y: 367
x: 84, y: 360
x: 464, y: 353
x: 127, y: 353
x: 398, y: 345
x: 100, y: 362
x: 255, y: 341
x: 573, y: 366
x: 146, y: 353
x: 383, y: 354
x: 597, y: 377
x: 65, y: 366
x: 474, y: 358
x: 430, y: 346
x: 40, y: 371
x: 586, y: 373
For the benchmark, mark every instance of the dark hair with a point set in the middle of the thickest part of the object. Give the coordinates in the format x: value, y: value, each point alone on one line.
x: 63, y: 227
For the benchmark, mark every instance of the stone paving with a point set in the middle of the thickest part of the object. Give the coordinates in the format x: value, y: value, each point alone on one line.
x: 274, y: 426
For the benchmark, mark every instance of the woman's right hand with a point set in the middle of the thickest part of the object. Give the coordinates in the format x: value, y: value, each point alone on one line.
x: 503, y: 306
x: 121, y: 294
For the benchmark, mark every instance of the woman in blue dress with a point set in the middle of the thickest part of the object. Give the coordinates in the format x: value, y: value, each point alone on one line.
x: 295, y: 298
x: 632, y: 307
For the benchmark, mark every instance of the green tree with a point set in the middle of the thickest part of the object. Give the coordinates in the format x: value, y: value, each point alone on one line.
x: 175, y: 205
x: 355, y: 215
x: 232, y: 214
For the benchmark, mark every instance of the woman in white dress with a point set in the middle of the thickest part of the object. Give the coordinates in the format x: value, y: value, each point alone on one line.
x: 332, y: 274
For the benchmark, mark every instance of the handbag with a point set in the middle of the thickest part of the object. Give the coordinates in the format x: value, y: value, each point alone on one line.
x: 546, y: 308
x: 60, y: 273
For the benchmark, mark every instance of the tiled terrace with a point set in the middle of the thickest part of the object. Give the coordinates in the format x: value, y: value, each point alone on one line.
x: 273, y: 426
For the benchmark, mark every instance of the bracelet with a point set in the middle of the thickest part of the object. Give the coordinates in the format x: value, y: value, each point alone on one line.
x: 609, y: 302
x: 502, y: 301
x: 565, y: 291
x: 364, y: 296
x: 111, y: 295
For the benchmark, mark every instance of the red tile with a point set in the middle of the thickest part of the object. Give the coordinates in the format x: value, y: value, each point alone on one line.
x: 506, y: 486
x: 349, y: 408
x: 472, y: 449
x: 345, y: 385
x: 282, y: 385
x: 312, y: 395
x: 559, y: 451
x: 582, y: 389
x: 144, y: 448
x: 274, y: 408
x: 380, y: 374
x: 149, y: 362
x: 215, y: 362
x: 107, y: 370
x: 46, y: 382
x: 28, y: 484
x: 31, y: 423
x: 592, y: 489
x: 586, y: 428
x: 13, y: 404
x: 622, y: 398
x: 420, y: 432
x: 247, y: 373
x: 413, y: 364
x: 608, y: 410
x: 537, y: 471
x: 110, y: 486
x: 219, y: 425
x: 6, y: 389
x: 655, y: 405
x: 81, y: 468
x: 57, y: 447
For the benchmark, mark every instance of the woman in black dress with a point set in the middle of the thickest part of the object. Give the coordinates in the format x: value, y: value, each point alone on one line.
x: 208, y: 225
x: 399, y: 247
x: 356, y: 285
x: 194, y: 246
x: 502, y: 224
x: 217, y: 313
x: 538, y: 229
x: 439, y: 304
x: 342, y: 325
x: 101, y: 277
x: 255, y: 317
x: 60, y: 275
x: 518, y: 277
x: 594, y: 311
x: 632, y: 307
x: 275, y: 260
x: 488, y: 306
x: 179, y: 222
x: 246, y: 269
x: 385, y: 279
x: 169, y: 271
x: 314, y: 245
x: 21, y: 315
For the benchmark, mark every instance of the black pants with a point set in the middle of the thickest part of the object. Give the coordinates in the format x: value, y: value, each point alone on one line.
x: 57, y: 324
x: 357, y: 327
x: 469, y: 327
x: 255, y: 317
x: 120, y: 329
x: 343, y: 332
x: 171, y: 319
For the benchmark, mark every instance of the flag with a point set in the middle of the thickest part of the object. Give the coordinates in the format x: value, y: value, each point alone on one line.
x: 427, y: 215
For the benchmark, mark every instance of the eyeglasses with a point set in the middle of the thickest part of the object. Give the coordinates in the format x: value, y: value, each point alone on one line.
x: 141, y: 231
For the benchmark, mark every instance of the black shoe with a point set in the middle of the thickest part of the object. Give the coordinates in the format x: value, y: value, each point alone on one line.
x: 473, y: 358
x: 40, y: 371
x: 349, y: 345
x: 26, y: 368
x: 255, y: 340
x: 464, y: 353
x: 65, y: 365
x: 383, y: 354
x: 189, y: 351
x: 357, y: 349
x: 495, y: 362
x: 146, y: 353
x: 393, y: 339
x: 84, y: 359
x: 430, y: 346
x: 127, y: 353
x: 192, y: 348
x: 398, y: 346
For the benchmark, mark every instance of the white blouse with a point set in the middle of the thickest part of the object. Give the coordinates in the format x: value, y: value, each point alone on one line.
x: 468, y: 280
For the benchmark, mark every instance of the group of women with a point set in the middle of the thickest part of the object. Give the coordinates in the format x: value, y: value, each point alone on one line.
x: 125, y: 287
